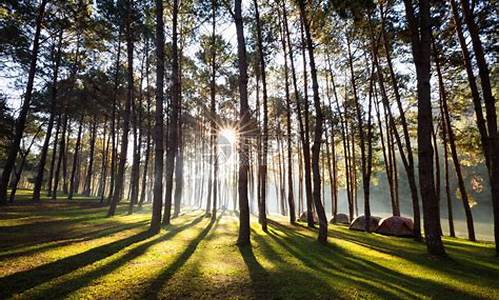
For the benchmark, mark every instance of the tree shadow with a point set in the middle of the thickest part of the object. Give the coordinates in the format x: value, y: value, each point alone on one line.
x: 258, y: 274
x: 458, y: 262
x: 73, y: 284
x: 109, y: 229
x: 155, y: 287
x: 335, y: 261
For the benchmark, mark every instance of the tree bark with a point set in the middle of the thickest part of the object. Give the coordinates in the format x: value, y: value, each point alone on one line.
x: 43, y: 154
x: 454, y: 154
x: 73, y: 186
x: 244, y: 228
x: 318, y: 131
x: 173, y: 143
x: 158, y: 130
x: 21, y: 120
x: 118, y: 191
x: 88, y: 178
x: 421, y: 49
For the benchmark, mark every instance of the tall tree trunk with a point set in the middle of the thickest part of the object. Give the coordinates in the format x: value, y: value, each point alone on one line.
x: 158, y: 130
x: 244, y: 228
x: 73, y: 186
x: 53, y: 159
x: 179, y: 159
x: 362, y: 141
x: 453, y: 148
x: 114, y: 116
x: 451, y: 225
x: 291, y: 200
x: 307, y: 153
x: 43, y: 154
x: 88, y: 178
x: 489, y: 137
x: 408, y: 158
x: 420, y: 30
x: 118, y: 191
x: 60, y: 159
x: 173, y: 143
x: 265, y: 139
x: 304, y: 142
x: 213, y: 110
x: 318, y: 130
x: 148, y: 132
x: 21, y: 120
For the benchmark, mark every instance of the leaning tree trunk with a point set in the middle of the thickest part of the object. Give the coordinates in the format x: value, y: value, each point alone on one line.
x: 453, y: 148
x: 408, y: 158
x: 21, y: 120
x: 43, y: 154
x: 318, y: 131
x: 489, y: 138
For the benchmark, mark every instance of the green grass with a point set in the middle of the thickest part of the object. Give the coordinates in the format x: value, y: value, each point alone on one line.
x: 62, y: 250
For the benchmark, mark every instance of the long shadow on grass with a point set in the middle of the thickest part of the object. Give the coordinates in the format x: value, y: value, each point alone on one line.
x: 334, y: 261
x: 24, y: 280
x: 67, y: 286
x: 258, y: 275
x: 95, y: 234
x: 157, y: 283
x: 287, y: 280
x: 460, y: 262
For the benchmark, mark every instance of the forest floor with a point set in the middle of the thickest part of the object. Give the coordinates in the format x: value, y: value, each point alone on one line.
x: 71, y: 250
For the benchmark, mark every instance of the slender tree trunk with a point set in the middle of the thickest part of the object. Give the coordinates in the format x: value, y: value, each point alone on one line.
x: 53, y: 159
x: 148, y: 133
x: 118, y: 191
x: 173, y: 143
x: 453, y: 148
x: 265, y: 139
x: 60, y: 158
x: 318, y: 131
x: 114, y: 134
x: 244, y: 228
x: 307, y: 153
x: 21, y: 120
x: 73, y: 186
x: 408, y: 158
x: 489, y: 137
x: 213, y: 111
x: 43, y: 154
x: 451, y: 225
x: 179, y: 159
x: 17, y: 173
x: 158, y: 130
x: 291, y: 200
x: 420, y: 30
x: 88, y: 178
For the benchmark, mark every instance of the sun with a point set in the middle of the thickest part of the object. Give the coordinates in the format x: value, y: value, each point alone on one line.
x: 230, y: 134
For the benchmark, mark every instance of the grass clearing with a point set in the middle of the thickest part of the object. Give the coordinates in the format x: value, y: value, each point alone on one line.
x: 62, y: 250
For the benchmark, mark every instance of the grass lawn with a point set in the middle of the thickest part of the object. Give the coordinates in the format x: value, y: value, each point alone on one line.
x: 70, y: 250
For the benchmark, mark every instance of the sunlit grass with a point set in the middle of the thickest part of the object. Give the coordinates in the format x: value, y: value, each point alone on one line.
x: 73, y: 251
